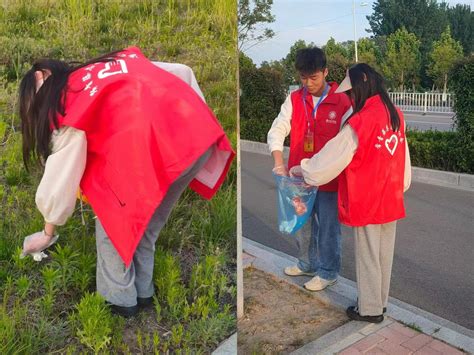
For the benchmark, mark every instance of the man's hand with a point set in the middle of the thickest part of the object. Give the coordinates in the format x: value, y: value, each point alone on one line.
x: 279, y: 167
x: 280, y: 170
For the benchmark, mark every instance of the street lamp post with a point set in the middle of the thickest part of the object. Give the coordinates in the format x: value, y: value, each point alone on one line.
x: 355, y: 31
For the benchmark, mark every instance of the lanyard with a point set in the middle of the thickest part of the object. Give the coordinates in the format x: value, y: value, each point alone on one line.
x: 326, y: 88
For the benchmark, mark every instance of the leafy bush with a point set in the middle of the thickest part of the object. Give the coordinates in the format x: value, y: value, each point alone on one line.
x: 451, y: 151
x: 462, y: 77
x: 461, y: 81
x: 262, y: 93
x: 440, y: 150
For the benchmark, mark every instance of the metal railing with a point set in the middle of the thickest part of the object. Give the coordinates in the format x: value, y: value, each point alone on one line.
x: 423, y: 102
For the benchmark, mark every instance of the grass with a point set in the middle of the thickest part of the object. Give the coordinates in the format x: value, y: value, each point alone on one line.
x: 414, y: 326
x: 51, y: 307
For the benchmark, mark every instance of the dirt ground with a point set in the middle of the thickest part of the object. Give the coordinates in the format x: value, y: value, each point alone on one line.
x: 280, y: 318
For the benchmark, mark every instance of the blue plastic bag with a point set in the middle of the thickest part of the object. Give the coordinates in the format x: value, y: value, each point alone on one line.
x: 295, y: 202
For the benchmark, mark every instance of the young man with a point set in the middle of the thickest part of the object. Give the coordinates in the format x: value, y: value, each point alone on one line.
x: 312, y: 116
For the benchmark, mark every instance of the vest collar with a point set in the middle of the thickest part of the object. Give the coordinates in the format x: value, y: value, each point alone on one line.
x: 331, y: 98
x: 373, y: 101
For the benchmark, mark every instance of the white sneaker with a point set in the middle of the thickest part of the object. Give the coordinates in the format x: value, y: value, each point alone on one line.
x: 318, y: 284
x: 296, y: 271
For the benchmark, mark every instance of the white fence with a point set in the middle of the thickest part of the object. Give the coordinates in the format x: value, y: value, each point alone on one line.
x: 423, y: 102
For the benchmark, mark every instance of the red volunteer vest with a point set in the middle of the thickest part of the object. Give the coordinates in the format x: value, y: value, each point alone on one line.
x: 371, y: 187
x: 144, y: 127
x: 326, y: 125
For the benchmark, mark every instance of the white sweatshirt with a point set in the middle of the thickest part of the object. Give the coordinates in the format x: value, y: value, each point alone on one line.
x: 333, y: 158
x: 281, y: 126
x: 57, y: 192
x: 336, y: 155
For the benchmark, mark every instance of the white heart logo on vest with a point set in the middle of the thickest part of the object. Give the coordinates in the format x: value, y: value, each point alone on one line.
x: 388, y: 143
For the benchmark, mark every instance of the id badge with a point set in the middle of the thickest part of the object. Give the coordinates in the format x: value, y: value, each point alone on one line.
x: 309, y: 142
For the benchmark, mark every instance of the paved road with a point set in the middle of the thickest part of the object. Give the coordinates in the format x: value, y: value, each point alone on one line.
x: 430, y: 121
x: 433, y: 263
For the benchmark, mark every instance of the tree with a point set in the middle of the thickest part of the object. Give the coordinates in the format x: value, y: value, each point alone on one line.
x: 290, y: 76
x: 245, y: 62
x: 402, y: 61
x: 367, y: 52
x: 333, y: 48
x: 337, y: 56
x: 461, y: 20
x: 276, y: 65
x: 446, y: 52
x: 426, y: 18
x: 337, y: 67
x: 249, y: 19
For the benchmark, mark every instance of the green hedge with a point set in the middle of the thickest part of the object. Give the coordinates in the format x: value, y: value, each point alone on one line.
x: 441, y: 151
x: 262, y: 93
x: 461, y: 84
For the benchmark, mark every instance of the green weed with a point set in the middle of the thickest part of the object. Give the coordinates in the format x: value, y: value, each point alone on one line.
x: 66, y: 261
x: 207, y: 330
x: 414, y: 326
x: 170, y: 291
x: 51, y: 279
x: 46, y: 303
x: 94, y: 322
x: 23, y: 286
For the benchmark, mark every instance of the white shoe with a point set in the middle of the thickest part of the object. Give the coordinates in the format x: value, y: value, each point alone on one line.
x: 296, y: 271
x: 318, y: 284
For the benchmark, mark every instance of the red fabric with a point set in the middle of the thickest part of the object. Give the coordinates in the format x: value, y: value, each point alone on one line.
x: 371, y: 187
x: 144, y: 127
x: 325, y: 127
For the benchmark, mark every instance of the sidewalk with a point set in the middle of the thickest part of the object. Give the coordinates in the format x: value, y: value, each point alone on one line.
x: 425, y: 334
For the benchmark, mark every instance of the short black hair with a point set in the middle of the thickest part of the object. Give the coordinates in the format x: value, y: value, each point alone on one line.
x: 310, y: 60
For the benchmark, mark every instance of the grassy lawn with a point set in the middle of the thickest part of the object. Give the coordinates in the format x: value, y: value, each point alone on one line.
x: 51, y: 306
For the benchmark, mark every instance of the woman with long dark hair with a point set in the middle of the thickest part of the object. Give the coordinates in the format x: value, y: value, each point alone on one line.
x: 371, y: 155
x: 133, y: 135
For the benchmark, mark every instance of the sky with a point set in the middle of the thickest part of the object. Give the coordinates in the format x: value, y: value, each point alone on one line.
x: 315, y: 21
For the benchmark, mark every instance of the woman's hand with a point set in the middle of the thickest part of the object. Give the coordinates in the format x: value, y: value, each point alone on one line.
x: 296, y: 171
x: 35, y: 243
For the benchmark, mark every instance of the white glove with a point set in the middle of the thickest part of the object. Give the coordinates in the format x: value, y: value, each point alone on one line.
x: 296, y: 171
x: 280, y: 170
x: 34, y: 245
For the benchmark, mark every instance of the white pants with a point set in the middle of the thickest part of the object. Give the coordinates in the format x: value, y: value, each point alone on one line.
x: 119, y: 285
x: 374, y: 248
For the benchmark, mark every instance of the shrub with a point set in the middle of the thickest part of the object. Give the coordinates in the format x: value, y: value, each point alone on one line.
x: 440, y: 150
x: 263, y: 92
x: 461, y: 83
x: 462, y: 77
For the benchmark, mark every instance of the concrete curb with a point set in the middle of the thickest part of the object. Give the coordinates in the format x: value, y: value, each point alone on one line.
x: 344, y: 294
x: 428, y: 176
x: 227, y: 347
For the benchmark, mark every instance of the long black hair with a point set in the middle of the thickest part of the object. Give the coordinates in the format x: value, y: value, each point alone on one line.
x: 39, y: 110
x: 366, y: 82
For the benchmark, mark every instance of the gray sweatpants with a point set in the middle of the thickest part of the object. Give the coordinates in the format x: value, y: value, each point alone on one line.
x: 121, y: 286
x: 374, y: 248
